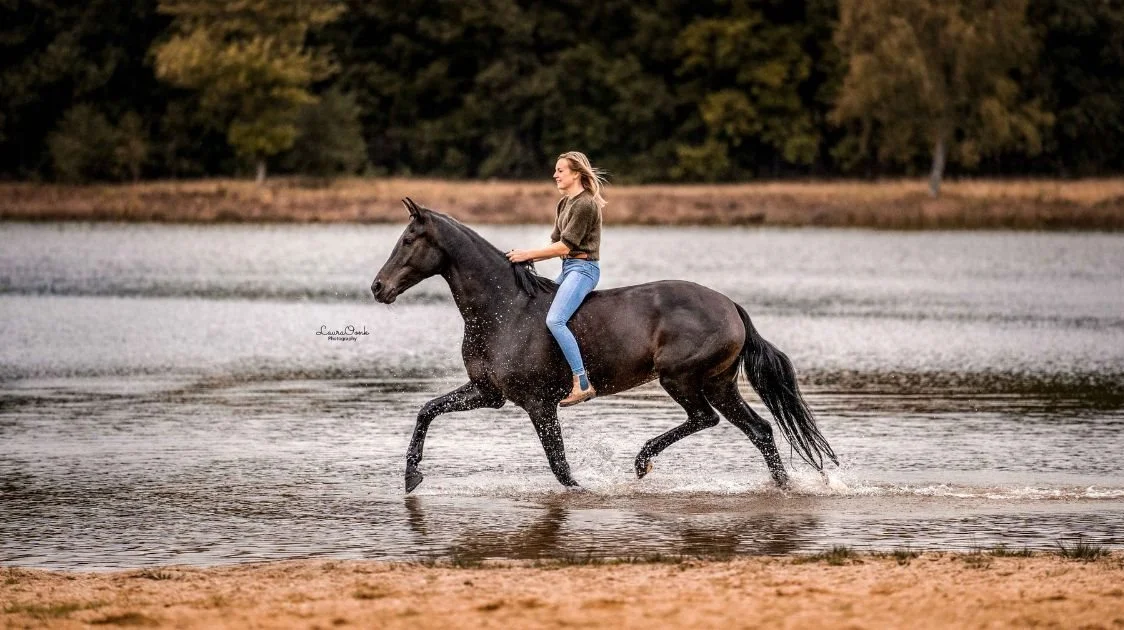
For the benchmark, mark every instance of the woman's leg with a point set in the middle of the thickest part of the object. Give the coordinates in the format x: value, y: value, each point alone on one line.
x: 573, y: 289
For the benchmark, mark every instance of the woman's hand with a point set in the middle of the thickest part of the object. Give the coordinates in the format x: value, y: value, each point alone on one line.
x: 520, y: 255
x: 535, y: 255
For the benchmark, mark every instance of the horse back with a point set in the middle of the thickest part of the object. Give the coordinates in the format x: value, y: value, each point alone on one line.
x: 629, y: 335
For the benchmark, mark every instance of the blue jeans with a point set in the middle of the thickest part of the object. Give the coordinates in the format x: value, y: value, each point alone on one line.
x: 576, y: 281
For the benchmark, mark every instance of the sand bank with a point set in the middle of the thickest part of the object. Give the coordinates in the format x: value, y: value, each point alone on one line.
x: 933, y: 590
x: 899, y: 204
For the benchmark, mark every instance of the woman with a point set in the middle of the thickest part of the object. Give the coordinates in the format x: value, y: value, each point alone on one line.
x: 577, y: 239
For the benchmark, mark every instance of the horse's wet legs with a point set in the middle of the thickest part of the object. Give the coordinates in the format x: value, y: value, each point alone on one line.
x: 545, y: 419
x: 700, y: 415
x: 728, y: 400
x: 464, y: 398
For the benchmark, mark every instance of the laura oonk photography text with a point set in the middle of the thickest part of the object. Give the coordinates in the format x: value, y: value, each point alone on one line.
x: 347, y: 333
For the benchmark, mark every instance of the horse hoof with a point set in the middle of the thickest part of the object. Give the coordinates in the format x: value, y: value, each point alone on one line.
x: 643, y: 468
x: 782, y: 481
x: 413, y: 479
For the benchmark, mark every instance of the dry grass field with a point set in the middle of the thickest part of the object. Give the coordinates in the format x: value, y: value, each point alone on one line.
x: 833, y: 590
x: 899, y: 204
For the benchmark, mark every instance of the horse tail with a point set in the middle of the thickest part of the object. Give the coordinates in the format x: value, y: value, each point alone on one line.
x: 773, y: 378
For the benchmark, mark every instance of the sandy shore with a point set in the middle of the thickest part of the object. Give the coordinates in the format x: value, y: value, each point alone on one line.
x: 933, y: 590
x: 899, y: 204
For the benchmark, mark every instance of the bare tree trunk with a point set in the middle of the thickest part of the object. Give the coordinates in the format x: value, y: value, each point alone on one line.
x: 261, y: 172
x: 938, y: 167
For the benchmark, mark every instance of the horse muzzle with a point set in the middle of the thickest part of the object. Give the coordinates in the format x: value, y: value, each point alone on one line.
x: 383, y: 293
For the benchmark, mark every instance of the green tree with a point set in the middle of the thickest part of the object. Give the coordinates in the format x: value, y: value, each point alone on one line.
x: 744, y: 71
x: 57, y: 55
x: 1081, y: 75
x: 252, y: 64
x: 82, y: 146
x: 86, y: 146
x: 131, y: 149
x: 942, y: 76
x: 498, y: 88
x: 330, y: 139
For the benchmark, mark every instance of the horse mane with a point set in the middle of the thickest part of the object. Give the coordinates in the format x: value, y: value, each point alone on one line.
x: 529, y: 280
x: 526, y: 278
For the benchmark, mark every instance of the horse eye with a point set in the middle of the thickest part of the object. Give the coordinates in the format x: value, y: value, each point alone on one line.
x: 408, y: 240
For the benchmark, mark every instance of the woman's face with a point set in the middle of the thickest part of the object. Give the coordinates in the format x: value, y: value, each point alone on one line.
x: 565, y: 178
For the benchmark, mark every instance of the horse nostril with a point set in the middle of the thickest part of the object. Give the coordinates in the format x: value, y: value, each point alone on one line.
x: 375, y: 286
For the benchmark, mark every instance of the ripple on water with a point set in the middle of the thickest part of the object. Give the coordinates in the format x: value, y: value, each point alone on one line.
x: 164, y: 399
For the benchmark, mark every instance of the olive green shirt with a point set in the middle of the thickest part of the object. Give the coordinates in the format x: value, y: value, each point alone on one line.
x: 578, y: 225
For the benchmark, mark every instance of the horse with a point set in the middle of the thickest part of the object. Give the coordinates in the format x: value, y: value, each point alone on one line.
x: 690, y: 337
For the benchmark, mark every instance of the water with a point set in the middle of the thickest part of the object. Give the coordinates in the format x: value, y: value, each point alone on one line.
x: 164, y: 398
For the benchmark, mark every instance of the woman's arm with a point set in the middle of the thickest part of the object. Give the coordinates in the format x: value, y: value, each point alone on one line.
x: 554, y: 250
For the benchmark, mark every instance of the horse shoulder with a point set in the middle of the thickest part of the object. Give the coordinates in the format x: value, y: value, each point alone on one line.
x: 499, y: 353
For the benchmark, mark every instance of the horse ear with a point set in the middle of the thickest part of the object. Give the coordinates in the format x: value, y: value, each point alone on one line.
x: 412, y: 206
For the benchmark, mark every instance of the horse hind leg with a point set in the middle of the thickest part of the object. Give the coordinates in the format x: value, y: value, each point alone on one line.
x: 725, y: 397
x: 700, y: 415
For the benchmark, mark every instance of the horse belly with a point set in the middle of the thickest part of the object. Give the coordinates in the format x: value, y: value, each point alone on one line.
x: 617, y: 357
x: 620, y: 374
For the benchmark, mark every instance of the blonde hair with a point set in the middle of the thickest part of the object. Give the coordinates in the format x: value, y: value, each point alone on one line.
x: 592, y: 179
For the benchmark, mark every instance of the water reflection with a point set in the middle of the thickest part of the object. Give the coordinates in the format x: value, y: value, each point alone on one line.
x: 561, y: 527
x: 759, y: 534
x: 541, y: 538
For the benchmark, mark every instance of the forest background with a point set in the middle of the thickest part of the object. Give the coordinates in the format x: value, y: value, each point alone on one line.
x: 666, y: 91
x: 655, y: 91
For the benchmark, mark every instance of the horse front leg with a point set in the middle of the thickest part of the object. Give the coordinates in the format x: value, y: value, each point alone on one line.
x: 471, y: 395
x: 545, y: 419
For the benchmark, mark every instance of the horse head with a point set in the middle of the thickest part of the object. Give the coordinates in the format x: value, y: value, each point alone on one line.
x: 416, y: 256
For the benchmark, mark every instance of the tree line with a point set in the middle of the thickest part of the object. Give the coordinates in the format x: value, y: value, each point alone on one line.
x: 664, y: 90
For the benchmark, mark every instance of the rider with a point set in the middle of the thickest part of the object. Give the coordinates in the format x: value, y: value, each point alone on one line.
x: 577, y: 239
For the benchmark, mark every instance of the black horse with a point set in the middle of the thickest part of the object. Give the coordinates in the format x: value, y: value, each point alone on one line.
x: 691, y: 338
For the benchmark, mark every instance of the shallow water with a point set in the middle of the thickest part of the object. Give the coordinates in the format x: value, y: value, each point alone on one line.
x: 164, y: 399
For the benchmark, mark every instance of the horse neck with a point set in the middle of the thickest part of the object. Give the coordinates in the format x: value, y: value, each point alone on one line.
x: 482, y: 283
